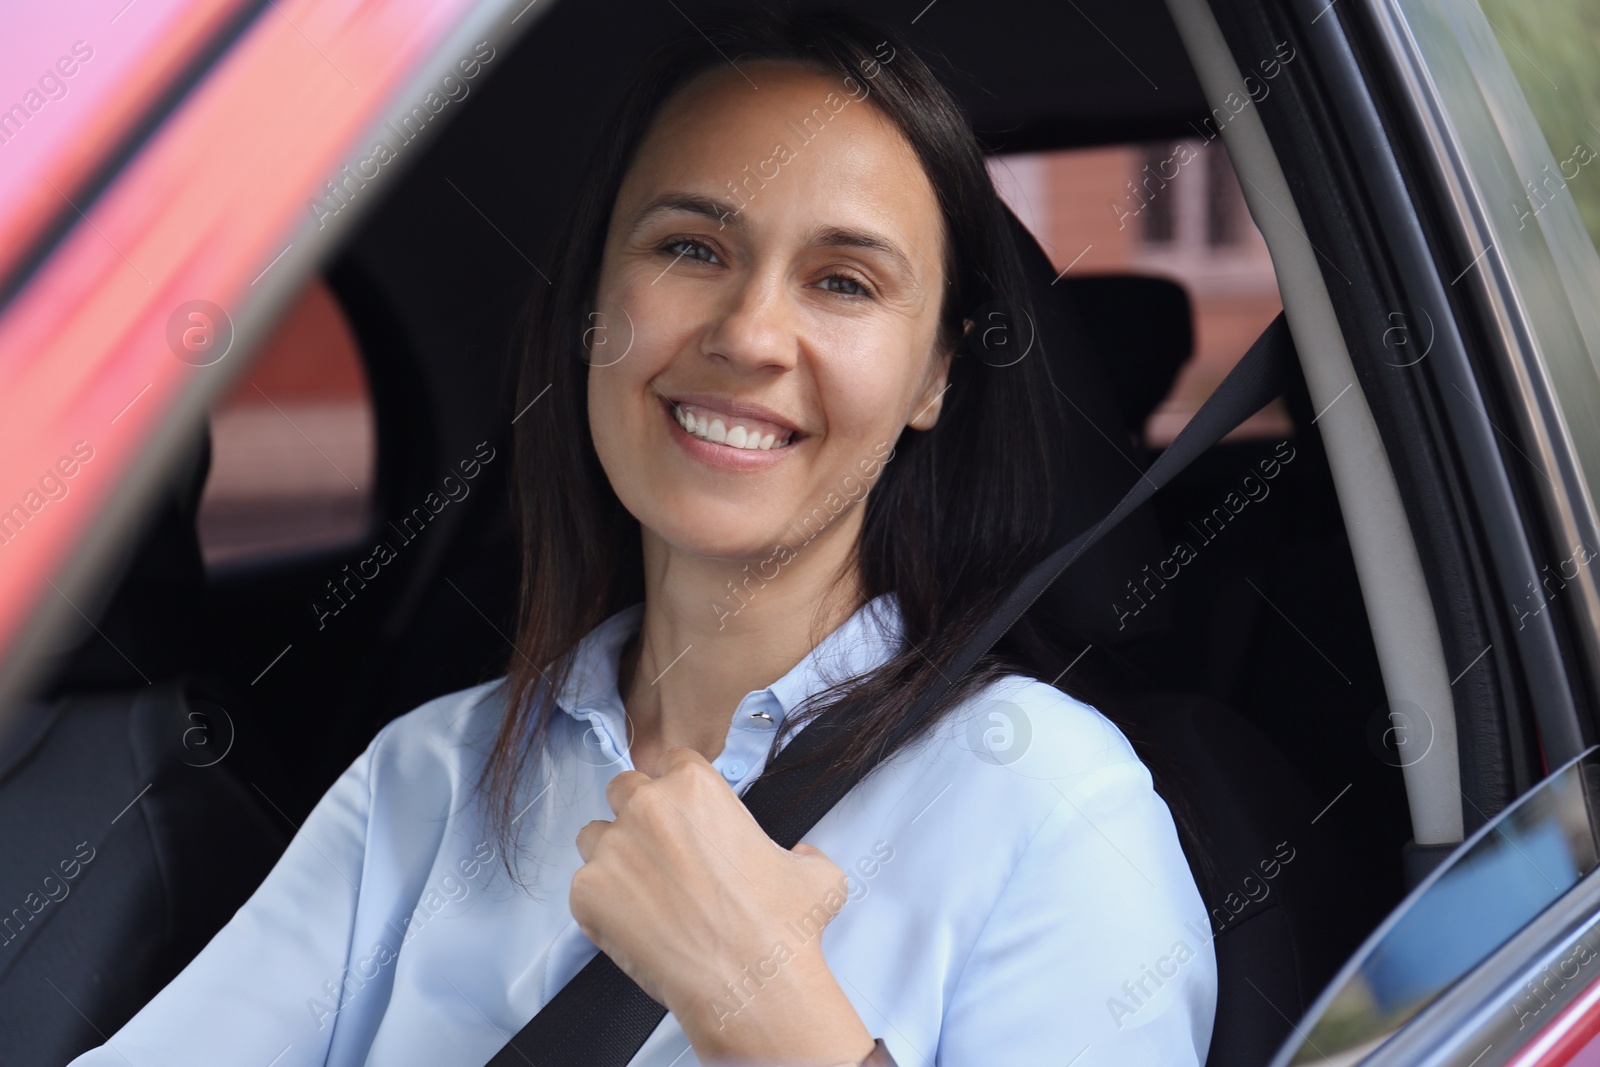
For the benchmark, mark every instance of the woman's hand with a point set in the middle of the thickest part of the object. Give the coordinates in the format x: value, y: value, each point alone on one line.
x: 715, y: 920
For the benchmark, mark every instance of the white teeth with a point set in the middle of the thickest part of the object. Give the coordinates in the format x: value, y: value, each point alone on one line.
x: 736, y: 436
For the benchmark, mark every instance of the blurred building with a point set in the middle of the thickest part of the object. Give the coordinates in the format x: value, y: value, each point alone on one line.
x: 1172, y: 209
x: 293, y: 443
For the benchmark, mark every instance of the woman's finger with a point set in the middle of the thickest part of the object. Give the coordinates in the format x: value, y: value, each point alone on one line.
x: 623, y: 786
x: 589, y: 837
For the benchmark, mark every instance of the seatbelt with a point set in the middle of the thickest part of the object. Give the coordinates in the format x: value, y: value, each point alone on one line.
x: 601, y: 1017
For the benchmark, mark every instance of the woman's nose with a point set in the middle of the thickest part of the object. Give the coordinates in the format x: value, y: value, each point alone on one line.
x: 756, y: 327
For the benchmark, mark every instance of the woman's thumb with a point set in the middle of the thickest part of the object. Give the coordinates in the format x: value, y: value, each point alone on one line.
x: 825, y: 873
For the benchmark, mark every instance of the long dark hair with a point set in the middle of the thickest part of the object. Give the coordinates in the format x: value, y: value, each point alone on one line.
x: 957, y: 516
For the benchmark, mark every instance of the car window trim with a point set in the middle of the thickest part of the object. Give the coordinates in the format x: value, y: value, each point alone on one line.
x: 1565, y: 512
x: 1404, y: 628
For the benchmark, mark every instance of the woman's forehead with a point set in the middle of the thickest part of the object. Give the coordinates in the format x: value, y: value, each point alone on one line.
x: 777, y: 141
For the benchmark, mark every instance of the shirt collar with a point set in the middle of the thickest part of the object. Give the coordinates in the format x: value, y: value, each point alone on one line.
x: 866, y: 640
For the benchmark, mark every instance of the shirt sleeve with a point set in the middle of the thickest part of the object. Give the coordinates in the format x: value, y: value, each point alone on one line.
x: 268, y: 986
x: 1125, y: 975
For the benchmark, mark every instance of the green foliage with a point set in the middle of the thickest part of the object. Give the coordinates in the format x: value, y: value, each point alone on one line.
x: 1552, y: 46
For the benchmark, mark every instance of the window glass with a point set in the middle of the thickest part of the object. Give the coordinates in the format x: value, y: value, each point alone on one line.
x: 1173, y: 209
x: 1551, y: 48
x: 1518, y: 98
x: 293, y: 443
x: 1497, y: 882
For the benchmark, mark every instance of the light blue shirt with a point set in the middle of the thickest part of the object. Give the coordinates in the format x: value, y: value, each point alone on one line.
x: 1017, y: 895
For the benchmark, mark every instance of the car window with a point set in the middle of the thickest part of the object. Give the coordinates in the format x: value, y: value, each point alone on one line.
x: 1499, y: 880
x: 292, y: 443
x: 1518, y: 98
x: 1550, y: 48
x: 1173, y: 209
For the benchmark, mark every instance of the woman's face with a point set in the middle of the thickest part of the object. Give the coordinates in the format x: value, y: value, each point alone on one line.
x: 768, y: 302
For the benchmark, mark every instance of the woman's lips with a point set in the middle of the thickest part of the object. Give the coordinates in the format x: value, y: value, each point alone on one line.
x: 747, y: 443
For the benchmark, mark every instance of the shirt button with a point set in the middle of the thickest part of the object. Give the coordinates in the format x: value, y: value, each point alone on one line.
x: 734, y: 770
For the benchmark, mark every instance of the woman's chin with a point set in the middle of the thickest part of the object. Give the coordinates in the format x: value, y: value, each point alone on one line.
x: 727, y: 540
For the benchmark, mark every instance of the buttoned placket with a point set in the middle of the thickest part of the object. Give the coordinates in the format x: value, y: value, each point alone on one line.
x: 744, y: 753
x: 591, y: 695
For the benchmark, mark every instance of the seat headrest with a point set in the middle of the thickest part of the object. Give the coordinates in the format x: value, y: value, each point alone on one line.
x: 1107, y: 361
x: 1141, y: 330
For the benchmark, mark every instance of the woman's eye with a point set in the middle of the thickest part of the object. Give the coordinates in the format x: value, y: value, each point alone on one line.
x: 844, y: 285
x: 684, y: 248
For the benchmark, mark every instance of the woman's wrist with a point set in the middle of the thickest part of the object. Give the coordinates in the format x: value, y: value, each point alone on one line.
x: 798, y: 1016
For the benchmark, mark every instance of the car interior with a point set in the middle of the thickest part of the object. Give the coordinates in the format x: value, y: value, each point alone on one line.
x: 1251, y: 685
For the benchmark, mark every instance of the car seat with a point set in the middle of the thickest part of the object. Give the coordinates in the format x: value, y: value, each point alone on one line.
x: 128, y: 839
x: 1271, y: 881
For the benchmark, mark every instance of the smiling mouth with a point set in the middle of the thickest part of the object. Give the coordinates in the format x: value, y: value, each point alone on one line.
x: 734, y: 431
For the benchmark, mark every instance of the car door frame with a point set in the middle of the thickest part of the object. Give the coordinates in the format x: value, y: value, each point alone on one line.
x: 1344, y: 131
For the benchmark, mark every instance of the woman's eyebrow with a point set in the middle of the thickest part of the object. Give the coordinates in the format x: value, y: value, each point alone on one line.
x: 844, y: 237
x: 723, y: 214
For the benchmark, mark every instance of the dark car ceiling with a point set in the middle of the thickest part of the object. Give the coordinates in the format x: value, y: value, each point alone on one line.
x: 1060, y: 75
x: 455, y: 246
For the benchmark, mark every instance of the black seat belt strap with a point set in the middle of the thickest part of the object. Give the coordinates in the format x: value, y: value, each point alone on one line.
x: 601, y: 1017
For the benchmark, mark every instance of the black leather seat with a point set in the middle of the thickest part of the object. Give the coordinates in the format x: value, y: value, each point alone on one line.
x: 127, y: 839
x: 1273, y: 884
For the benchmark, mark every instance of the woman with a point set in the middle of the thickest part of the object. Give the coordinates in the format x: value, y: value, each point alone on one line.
x: 772, y: 473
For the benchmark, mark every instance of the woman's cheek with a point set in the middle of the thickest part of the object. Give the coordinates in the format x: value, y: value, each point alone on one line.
x: 863, y: 406
x: 867, y: 369
x: 625, y: 351
x: 657, y: 310
x: 615, y: 427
